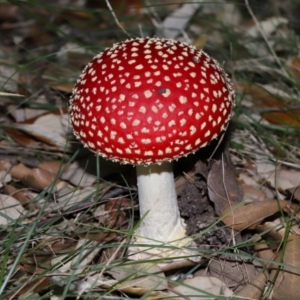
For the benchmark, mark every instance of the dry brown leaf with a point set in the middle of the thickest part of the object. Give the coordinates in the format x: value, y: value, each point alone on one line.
x: 141, y: 277
x: 147, y: 278
x: 255, y: 288
x: 35, y: 285
x: 64, y: 87
x: 274, y: 232
x: 252, y: 214
x: 62, y: 244
x: 20, y: 137
x: 67, y: 196
x: 5, y: 176
x: 21, y: 195
x: 287, y: 117
x: 88, y: 251
x: 39, y: 130
x: 52, y: 166
x: 295, y: 191
x: 294, y: 66
x: 245, y: 179
x: 78, y: 175
x: 10, y: 209
x: 21, y: 114
x: 198, y: 287
x: 182, y: 180
x: 233, y: 273
x: 253, y: 193
x: 264, y: 97
x: 253, y: 181
x: 5, y: 165
x: 74, y: 173
x: 223, y: 187
x: 29, y: 271
x: 36, y: 178
x: 202, y: 168
x: 260, y: 96
x: 287, y: 283
x: 282, y: 179
x: 262, y: 250
x: 115, y: 207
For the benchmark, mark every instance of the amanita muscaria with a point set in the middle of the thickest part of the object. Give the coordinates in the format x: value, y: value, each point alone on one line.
x: 147, y: 102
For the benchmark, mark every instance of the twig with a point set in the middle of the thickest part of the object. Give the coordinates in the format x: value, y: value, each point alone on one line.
x: 115, y: 18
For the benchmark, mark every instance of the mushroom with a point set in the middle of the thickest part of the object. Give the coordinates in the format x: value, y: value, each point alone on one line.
x: 147, y: 102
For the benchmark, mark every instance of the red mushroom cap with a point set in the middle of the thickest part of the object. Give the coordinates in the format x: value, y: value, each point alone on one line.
x: 149, y: 100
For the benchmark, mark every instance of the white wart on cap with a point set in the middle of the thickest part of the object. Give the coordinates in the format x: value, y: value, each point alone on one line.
x: 149, y: 100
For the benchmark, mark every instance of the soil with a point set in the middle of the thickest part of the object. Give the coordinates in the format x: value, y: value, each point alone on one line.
x: 199, y: 214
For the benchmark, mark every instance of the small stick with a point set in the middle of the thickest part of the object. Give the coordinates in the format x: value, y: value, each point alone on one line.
x: 115, y: 17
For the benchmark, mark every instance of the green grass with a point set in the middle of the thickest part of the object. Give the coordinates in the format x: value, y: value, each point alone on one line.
x: 25, y: 244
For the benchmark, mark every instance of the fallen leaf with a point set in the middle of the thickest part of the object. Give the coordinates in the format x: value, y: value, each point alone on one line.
x: 36, y: 178
x: 10, y: 209
x: 253, y: 193
x: 295, y: 191
x: 287, y: 117
x: 5, y: 165
x: 5, y: 177
x: 68, y: 196
x: 293, y: 65
x: 273, y: 232
x: 233, y: 273
x: 279, y: 106
x: 21, y: 195
x: 86, y: 252
x: 39, y: 130
x: 287, y: 283
x: 263, y: 250
x: 147, y: 279
x: 78, y: 175
x: 35, y: 285
x: 251, y: 214
x: 21, y: 114
x: 202, y: 288
x: 142, y: 277
x: 255, y: 288
x: 223, y: 187
x: 20, y: 137
x: 282, y: 179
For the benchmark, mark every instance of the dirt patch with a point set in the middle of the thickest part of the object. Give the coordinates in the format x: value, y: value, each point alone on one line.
x: 199, y: 214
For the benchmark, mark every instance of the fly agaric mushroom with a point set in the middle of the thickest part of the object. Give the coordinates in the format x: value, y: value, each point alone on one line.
x: 146, y: 102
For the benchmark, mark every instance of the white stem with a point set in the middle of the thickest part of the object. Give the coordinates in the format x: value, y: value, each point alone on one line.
x: 158, y: 199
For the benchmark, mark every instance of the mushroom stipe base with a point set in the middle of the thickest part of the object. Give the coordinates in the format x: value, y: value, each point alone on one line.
x: 142, y: 249
x: 162, y: 230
